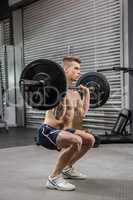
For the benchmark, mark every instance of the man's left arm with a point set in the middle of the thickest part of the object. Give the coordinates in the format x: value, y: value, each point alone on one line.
x: 85, y: 100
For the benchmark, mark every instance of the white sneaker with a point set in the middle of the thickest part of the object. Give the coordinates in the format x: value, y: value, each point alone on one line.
x: 71, y: 173
x: 59, y: 183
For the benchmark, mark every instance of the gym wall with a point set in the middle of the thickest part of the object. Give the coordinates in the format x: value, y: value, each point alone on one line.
x: 91, y: 29
x: 130, y: 46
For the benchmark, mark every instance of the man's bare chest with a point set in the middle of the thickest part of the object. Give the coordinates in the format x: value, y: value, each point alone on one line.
x: 72, y: 99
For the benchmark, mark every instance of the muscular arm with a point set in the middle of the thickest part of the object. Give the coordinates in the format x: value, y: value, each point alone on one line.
x: 83, y: 105
x: 86, y: 102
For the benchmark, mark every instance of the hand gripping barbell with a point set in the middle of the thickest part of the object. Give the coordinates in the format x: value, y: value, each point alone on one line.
x: 43, y: 85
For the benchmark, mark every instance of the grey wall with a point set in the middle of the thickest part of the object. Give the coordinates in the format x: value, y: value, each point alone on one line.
x: 130, y: 43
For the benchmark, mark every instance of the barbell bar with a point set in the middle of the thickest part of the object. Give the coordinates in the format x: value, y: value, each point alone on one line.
x: 43, y: 85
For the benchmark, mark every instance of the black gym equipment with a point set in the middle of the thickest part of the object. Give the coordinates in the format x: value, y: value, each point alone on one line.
x: 121, y: 122
x: 119, y: 134
x: 98, y: 86
x: 43, y: 85
x: 124, y: 69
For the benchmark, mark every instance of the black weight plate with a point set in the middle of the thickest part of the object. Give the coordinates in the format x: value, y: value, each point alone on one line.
x: 99, y: 85
x: 48, y: 96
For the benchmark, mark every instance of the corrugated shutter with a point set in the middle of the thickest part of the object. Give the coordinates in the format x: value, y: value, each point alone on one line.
x: 3, y: 77
x: 5, y: 32
x: 0, y: 34
x: 5, y: 39
x: 89, y: 28
x: 1, y: 82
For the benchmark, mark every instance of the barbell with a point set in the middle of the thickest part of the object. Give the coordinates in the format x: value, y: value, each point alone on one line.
x: 43, y: 85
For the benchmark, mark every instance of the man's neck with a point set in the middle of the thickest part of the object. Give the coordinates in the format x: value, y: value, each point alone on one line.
x: 69, y: 83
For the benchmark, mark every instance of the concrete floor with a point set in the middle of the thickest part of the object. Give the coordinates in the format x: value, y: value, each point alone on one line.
x: 24, y: 171
x: 17, y: 137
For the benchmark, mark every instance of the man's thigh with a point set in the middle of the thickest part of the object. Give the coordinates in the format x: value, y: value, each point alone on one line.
x: 65, y: 139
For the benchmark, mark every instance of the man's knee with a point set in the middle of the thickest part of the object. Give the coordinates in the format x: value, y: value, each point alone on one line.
x: 92, y: 140
x: 89, y: 139
x: 77, y: 143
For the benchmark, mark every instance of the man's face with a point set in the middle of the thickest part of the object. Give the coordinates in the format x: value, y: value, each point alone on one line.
x: 73, y: 72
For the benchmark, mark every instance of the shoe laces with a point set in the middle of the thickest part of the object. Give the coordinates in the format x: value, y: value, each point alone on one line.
x: 71, y: 169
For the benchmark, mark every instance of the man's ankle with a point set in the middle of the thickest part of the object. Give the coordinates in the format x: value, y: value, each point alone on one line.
x: 68, y: 167
x: 54, y: 175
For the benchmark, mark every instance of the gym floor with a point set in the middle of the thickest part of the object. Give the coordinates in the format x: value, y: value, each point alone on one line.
x: 24, y: 168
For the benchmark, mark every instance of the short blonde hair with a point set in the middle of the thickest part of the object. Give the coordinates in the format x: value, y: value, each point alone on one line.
x: 72, y: 58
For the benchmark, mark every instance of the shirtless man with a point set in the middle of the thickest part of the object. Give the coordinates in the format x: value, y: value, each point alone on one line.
x: 62, y: 130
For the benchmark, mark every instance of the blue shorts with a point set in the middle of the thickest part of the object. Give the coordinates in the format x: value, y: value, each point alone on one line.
x: 46, y: 136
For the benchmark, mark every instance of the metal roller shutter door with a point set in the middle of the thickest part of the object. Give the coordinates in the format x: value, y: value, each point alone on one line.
x: 5, y: 39
x: 5, y: 32
x: 4, y: 77
x: 89, y: 28
x: 1, y: 81
x: 0, y: 34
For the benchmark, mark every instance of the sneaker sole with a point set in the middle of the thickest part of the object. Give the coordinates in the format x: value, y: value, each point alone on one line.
x: 61, y: 189
x: 74, y: 178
